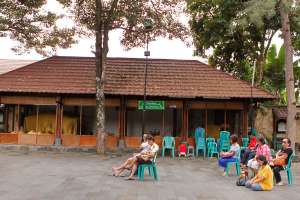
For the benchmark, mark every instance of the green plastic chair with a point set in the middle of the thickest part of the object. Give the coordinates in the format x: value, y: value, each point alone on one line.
x: 224, y: 141
x: 200, y: 141
x: 168, y: 143
x: 236, y: 163
x: 151, y: 168
x: 212, y: 149
x: 288, y: 170
x: 245, y: 141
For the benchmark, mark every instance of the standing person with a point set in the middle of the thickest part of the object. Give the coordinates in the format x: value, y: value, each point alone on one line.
x: 145, y: 157
x: 230, y: 156
x: 263, y: 180
x: 262, y: 149
x: 281, y: 159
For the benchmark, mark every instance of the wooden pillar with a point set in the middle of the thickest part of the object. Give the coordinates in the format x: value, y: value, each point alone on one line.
x: 206, y: 123
x: 225, y: 120
x: 185, y: 122
x: 80, y: 120
x: 121, y: 118
x: 245, y: 120
x: 163, y: 123
x: 37, y: 119
x: 17, y: 118
x: 58, y: 121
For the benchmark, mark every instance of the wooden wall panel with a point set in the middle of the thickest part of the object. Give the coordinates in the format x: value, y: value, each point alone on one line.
x: 28, y: 100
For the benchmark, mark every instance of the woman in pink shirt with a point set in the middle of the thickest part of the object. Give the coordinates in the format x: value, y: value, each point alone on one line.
x: 262, y: 149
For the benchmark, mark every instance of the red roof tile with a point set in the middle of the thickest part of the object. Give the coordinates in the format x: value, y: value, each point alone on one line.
x: 125, y: 76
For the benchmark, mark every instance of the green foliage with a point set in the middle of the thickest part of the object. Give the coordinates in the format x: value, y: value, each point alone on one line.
x: 274, y: 79
x: 129, y: 16
x: 26, y: 22
x: 220, y: 25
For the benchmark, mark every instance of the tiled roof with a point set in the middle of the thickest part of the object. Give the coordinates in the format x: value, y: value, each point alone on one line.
x: 125, y: 76
x: 7, y: 65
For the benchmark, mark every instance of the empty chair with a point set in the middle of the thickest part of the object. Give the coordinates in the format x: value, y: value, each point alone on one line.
x: 212, y: 149
x: 168, y: 143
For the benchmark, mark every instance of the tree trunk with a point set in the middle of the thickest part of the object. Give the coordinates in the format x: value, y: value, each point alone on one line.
x: 100, y: 99
x: 289, y: 75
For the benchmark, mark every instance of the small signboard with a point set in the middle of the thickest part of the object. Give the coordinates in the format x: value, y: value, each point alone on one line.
x: 151, y: 105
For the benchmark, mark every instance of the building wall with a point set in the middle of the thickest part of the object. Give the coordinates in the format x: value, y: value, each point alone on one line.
x: 264, y: 123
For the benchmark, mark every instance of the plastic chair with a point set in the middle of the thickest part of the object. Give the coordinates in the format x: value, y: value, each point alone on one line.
x: 209, y: 139
x: 200, y: 145
x: 245, y: 141
x: 168, y: 143
x: 200, y: 141
x: 212, y: 148
x: 288, y: 170
x: 199, y: 133
x: 224, y: 141
x: 236, y: 163
x: 151, y: 168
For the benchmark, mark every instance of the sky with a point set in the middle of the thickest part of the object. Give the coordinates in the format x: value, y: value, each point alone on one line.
x: 162, y: 48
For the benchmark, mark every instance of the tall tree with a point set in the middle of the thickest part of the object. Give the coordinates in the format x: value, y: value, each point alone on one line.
x: 285, y: 8
x: 98, y: 17
x: 221, y: 26
x: 33, y: 27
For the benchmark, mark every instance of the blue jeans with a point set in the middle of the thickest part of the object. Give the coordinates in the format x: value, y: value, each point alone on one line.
x: 253, y: 186
x: 223, y: 161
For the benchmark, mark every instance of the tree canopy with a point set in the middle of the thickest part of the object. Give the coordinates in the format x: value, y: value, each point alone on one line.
x: 238, y: 32
x: 33, y: 27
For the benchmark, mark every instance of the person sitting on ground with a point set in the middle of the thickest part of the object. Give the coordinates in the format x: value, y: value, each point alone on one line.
x: 262, y: 149
x: 249, y: 153
x: 281, y: 159
x: 145, y: 157
x: 230, y: 156
x: 263, y: 181
x: 130, y: 161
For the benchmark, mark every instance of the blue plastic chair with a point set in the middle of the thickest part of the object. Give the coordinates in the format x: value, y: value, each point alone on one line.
x: 168, y: 143
x: 224, y: 141
x: 151, y: 168
x: 212, y: 149
x: 200, y: 145
x: 200, y: 141
x: 199, y: 133
x: 288, y: 170
x: 236, y: 163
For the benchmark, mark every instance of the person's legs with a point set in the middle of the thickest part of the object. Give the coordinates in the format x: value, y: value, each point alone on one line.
x: 256, y: 187
x: 133, y: 170
x: 248, y: 184
x: 276, y: 171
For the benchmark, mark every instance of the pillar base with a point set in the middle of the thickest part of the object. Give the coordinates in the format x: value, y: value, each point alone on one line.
x: 57, y: 142
x: 121, y: 144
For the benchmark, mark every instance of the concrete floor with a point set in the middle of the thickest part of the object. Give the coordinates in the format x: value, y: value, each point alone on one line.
x: 71, y: 176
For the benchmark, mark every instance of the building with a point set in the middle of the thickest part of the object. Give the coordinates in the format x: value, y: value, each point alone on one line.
x: 55, y: 98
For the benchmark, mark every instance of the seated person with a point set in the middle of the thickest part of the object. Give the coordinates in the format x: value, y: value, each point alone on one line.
x: 249, y: 153
x: 230, y: 156
x: 264, y: 179
x: 281, y: 159
x: 130, y: 161
x: 262, y: 149
x: 144, y: 157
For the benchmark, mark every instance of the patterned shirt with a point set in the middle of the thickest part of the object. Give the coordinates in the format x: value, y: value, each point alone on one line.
x: 264, y: 150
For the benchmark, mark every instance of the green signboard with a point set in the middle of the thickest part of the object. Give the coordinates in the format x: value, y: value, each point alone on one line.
x: 152, y: 105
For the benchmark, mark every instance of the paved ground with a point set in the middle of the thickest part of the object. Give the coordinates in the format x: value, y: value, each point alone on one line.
x: 72, y: 176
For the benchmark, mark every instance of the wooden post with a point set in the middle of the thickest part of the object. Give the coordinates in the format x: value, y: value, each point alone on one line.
x: 58, y: 122
x: 80, y: 120
x: 37, y: 120
x: 18, y: 118
x: 225, y: 120
x: 163, y: 123
x: 206, y: 122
